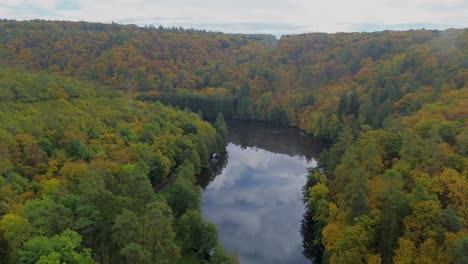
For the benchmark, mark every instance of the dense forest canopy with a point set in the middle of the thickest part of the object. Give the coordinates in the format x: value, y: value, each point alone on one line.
x: 78, y: 166
x: 392, y: 188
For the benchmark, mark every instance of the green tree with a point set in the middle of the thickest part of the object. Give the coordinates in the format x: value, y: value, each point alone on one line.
x: 394, y: 209
x: 244, y: 110
x: 329, y: 159
x: 359, y: 204
x: 135, y: 253
x: 221, y: 132
x: 220, y: 257
x: 353, y: 106
x: 126, y: 229
x: 158, y: 235
x: 459, y: 250
x: 135, y: 184
x: 183, y: 195
x: 76, y: 149
x: 244, y: 90
x: 277, y: 115
x: 342, y: 104
x: 47, y: 216
x: 62, y: 248
x: 195, y: 233
x: 16, y: 230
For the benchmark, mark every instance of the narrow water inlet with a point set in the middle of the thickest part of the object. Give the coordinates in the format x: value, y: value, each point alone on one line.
x: 256, y: 200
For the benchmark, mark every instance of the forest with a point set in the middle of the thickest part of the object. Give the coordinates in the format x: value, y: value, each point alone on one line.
x: 95, y: 116
x: 78, y: 170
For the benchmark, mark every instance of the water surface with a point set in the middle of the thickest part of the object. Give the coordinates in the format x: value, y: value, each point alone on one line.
x: 253, y: 195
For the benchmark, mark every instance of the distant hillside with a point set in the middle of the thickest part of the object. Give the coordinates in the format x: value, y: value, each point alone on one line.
x: 157, y: 59
x: 288, y: 81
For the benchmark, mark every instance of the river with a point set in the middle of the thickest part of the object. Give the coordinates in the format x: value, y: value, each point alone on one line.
x: 254, y: 194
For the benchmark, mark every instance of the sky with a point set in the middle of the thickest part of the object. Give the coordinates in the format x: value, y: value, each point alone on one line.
x: 252, y: 16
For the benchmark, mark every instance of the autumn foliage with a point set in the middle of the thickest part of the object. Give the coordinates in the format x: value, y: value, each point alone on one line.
x: 392, y: 188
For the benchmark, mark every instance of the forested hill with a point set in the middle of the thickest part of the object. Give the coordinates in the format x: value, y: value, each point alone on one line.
x: 157, y: 59
x: 392, y: 188
x: 78, y: 171
x: 314, y: 81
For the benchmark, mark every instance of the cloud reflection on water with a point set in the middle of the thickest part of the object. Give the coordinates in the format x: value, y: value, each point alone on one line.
x: 256, y: 205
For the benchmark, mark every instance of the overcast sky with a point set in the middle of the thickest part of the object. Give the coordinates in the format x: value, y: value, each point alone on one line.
x: 252, y: 16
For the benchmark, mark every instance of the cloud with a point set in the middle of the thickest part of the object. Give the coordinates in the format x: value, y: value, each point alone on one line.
x: 380, y: 27
x: 261, y: 16
x: 67, y: 5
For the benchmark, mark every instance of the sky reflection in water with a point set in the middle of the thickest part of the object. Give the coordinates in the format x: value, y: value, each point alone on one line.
x: 256, y: 204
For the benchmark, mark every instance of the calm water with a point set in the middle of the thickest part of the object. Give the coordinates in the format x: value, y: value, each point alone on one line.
x: 253, y: 195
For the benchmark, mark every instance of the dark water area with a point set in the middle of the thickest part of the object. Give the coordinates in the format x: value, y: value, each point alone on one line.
x: 253, y: 194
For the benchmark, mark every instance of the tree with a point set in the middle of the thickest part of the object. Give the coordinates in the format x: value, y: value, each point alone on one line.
x: 189, y: 128
x: 220, y: 257
x: 16, y: 230
x: 405, y: 252
x: 424, y: 220
x: 148, y: 238
x: 277, y: 115
x: 135, y: 253
x: 244, y: 90
x: 462, y: 142
x: 196, y: 234
x: 330, y: 159
x: 158, y: 234
x: 459, y: 250
x: 353, y: 106
x: 221, y: 132
x: 167, y: 86
x: 343, y: 104
x: 315, y: 219
x: 185, y: 151
x: 389, y: 229
x: 62, y: 248
x: 431, y: 252
x: 264, y: 103
x: 183, y: 195
x: 451, y: 221
x: 136, y: 185
x: 76, y: 149
x: 372, y: 159
x: 394, y: 209
x: 359, y: 204
x: 126, y: 229
x: 47, y: 217
x: 244, y: 109
x: 355, y: 241
x: 452, y: 189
